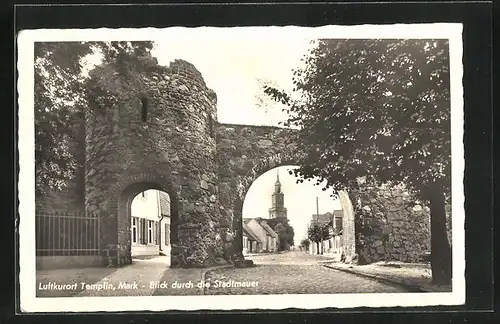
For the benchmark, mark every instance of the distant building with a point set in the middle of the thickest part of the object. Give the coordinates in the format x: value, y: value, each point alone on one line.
x: 258, y: 233
x: 278, y: 209
x: 267, y: 237
x: 272, y: 237
x: 165, y: 246
x: 333, y: 221
x: 251, y: 242
x: 323, y: 220
x: 150, y: 223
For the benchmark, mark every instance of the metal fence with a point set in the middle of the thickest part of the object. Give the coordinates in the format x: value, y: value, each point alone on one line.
x: 65, y: 233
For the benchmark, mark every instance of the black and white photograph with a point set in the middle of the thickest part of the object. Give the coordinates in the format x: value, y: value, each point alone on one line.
x: 241, y: 168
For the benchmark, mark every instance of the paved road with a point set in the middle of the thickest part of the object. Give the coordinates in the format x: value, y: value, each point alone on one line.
x: 292, y: 272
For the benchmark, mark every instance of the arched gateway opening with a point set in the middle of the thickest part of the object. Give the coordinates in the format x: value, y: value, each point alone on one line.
x: 150, y: 226
x: 285, y: 158
x: 277, y: 212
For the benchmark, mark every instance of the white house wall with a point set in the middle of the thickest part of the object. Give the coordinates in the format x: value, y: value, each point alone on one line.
x: 146, y: 207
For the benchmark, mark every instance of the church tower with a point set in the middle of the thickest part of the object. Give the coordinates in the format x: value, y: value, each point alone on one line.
x: 277, y: 210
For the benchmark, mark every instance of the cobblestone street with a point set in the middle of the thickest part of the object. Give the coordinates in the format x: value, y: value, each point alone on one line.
x: 292, y: 272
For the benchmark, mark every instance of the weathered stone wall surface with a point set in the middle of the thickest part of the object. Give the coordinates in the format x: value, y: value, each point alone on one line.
x: 388, y: 225
x: 243, y: 154
x: 174, y: 149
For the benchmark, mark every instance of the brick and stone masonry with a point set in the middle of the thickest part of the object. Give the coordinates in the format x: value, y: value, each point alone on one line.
x: 154, y: 130
x: 155, y: 127
x: 388, y: 225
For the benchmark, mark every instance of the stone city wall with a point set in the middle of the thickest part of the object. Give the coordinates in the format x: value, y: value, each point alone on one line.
x: 388, y: 225
x: 155, y: 127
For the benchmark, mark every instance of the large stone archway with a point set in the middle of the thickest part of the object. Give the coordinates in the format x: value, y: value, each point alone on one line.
x: 245, y: 153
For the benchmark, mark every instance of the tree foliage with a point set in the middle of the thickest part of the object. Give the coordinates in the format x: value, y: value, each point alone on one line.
x: 378, y: 109
x: 61, y: 97
x: 58, y: 88
x: 285, y: 232
x: 305, y: 244
x: 317, y: 233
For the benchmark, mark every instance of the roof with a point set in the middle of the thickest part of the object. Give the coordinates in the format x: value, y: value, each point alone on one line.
x: 246, y: 220
x: 164, y: 204
x: 322, y: 219
x: 250, y: 234
x: 268, y: 229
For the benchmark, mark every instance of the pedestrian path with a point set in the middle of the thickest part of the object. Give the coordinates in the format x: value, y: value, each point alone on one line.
x: 131, y: 280
x: 413, y: 276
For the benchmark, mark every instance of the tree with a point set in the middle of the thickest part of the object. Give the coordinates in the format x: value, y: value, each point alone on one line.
x: 317, y: 233
x: 60, y: 102
x: 280, y: 229
x: 378, y: 109
x: 58, y: 88
x: 285, y: 232
x: 290, y: 233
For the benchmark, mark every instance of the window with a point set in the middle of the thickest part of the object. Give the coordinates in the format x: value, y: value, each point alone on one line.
x: 167, y: 234
x: 150, y: 231
x: 143, y: 233
x: 144, y: 111
x: 134, y: 230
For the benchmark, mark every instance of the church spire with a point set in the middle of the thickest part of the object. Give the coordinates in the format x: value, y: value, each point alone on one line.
x: 277, y: 209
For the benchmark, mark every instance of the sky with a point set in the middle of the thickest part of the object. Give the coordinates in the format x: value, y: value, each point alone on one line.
x: 232, y: 65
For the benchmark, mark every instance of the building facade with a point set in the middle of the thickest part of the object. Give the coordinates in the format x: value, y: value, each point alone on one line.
x: 333, y: 222
x: 150, y: 223
x: 164, y: 223
x: 267, y: 238
x: 338, y: 216
x: 251, y: 242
